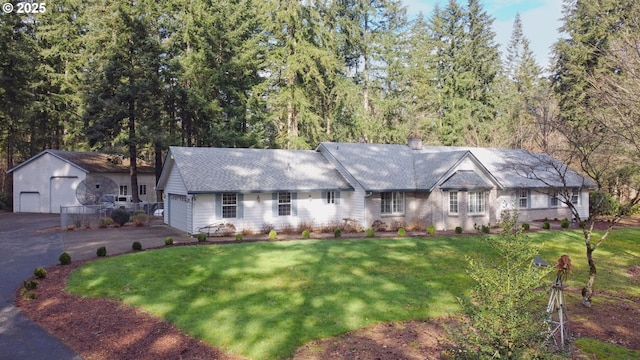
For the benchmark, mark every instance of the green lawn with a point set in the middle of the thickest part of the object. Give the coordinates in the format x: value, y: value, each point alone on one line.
x: 264, y: 300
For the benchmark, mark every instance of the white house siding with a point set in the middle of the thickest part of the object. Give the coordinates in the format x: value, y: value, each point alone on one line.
x: 257, y: 211
x: 175, y: 186
x: 539, y: 207
x: 52, y: 179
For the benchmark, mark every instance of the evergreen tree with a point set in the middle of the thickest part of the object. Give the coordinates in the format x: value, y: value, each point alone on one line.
x: 420, y: 96
x: 59, y: 33
x: 18, y: 58
x: 502, y: 324
x: 466, y: 65
x: 523, y: 75
x: 588, y: 26
x: 123, y: 83
x: 297, y: 58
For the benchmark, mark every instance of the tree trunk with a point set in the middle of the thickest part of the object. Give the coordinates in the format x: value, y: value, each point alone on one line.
x: 133, y: 150
x: 158, y: 166
x: 587, y: 290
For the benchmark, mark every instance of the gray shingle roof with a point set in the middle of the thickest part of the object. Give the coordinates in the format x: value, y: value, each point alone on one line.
x: 379, y: 167
x: 465, y: 180
x: 516, y: 168
x: 209, y: 170
x: 384, y: 167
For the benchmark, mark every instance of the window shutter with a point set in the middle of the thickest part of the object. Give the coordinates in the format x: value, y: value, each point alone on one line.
x: 218, y: 206
x: 324, y: 197
x: 337, y: 197
x: 240, y: 199
x: 294, y: 204
x: 528, y: 199
x: 274, y: 198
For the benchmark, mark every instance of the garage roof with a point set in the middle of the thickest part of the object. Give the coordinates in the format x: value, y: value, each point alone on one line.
x: 91, y: 162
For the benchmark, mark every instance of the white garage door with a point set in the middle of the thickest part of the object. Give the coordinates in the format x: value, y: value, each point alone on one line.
x: 30, y: 202
x: 178, y: 205
x: 63, y: 192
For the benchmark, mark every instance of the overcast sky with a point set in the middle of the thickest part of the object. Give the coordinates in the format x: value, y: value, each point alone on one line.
x: 540, y: 21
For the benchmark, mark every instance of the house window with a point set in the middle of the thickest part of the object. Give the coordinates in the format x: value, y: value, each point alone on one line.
x: 143, y: 190
x: 453, y: 202
x: 284, y: 204
x: 123, y: 190
x: 331, y: 197
x: 523, y: 199
x: 392, y: 202
x: 553, y: 200
x: 575, y: 197
x: 475, y: 201
x: 229, y: 205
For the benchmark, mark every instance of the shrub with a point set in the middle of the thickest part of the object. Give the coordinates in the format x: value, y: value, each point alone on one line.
x: 105, y: 222
x: 40, y: 272
x: 30, y: 284
x: 306, y: 234
x: 303, y: 225
x: 140, y: 219
x: 168, y: 241
x: 120, y: 216
x: 202, y: 237
x: 525, y: 226
x: 64, y: 258
x: 458, y: 230
x: 415, y: 225
x: 379, y: 225
x: 139, y: 212
x: 431, y: 229
x: 337, y: 232
x: 351, y: 226
x: 136, y: 246
x: 266, y: 228
x: 239, y: 237
x: 102, y: 251
x: 273, y: 234
x: 370, y: 232
x: 546, y: 225
x: 402, y: 232
x: 564, y: 223
x: 501, y: 323
x: 288, y: 229
x: 247, y: 231
x: 330, y: 226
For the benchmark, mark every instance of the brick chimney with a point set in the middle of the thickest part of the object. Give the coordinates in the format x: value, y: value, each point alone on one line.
x: 414, y: 142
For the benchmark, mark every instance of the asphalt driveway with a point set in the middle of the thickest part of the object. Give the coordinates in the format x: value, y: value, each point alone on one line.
x: 22, y: 249
x: 31, y: 240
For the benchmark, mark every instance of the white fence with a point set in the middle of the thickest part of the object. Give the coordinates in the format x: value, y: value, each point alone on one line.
x: 89, y: 216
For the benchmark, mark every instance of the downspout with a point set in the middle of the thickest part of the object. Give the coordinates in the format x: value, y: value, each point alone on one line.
x: 364, y: 208
x: 444, y: 226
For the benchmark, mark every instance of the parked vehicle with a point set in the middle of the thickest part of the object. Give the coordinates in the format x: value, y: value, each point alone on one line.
x: 111, y: 201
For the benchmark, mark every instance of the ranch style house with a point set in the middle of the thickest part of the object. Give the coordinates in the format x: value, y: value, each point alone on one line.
x: 387, y: 184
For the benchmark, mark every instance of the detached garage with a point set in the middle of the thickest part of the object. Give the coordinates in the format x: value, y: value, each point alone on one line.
x: 48, y: 180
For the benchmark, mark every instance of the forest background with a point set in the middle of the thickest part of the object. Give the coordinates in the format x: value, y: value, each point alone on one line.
x: 134, y: 77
